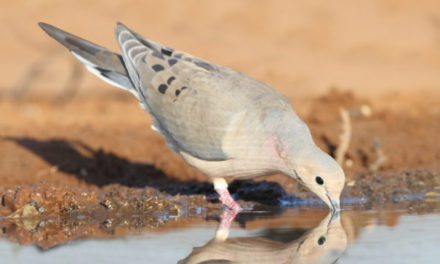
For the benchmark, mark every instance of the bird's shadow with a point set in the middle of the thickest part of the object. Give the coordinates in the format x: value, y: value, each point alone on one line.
x: 101, y: 168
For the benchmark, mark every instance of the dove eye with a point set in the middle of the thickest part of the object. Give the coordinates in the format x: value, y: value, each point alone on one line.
x: 319, y: 180
x: 321, y: 241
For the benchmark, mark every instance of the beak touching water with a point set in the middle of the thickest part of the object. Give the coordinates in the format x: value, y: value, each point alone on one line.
x: 333, y: 204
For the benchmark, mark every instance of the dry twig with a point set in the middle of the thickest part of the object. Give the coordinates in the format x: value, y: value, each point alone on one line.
x: 380, y: 157
x: 344, y: 136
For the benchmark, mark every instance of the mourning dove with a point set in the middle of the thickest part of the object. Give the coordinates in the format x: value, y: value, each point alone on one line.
x: 220, y: 121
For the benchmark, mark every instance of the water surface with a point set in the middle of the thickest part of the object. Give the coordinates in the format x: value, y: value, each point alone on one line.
x: 289, y: 236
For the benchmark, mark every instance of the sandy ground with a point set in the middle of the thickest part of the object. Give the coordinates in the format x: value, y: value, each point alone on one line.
x: 68, y: 141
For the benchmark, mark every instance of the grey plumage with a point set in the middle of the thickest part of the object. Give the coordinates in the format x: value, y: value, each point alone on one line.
x: 219, y: 120
x: 106, y: 64
x: 212, y: 96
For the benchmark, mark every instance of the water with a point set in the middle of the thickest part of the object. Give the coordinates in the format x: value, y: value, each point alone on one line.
x: 291, y: 236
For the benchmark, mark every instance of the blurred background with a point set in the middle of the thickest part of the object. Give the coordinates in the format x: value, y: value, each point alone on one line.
x: 60, y: 123
x: 300, y: 47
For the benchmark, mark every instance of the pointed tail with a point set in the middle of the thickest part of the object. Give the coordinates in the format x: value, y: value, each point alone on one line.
x: 102, y: 62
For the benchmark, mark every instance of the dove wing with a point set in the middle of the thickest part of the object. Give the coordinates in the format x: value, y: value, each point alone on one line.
x: 187, y: 97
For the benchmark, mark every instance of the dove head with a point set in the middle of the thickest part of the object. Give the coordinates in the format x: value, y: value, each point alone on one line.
x: 320, y: 173
x: 292, y: 142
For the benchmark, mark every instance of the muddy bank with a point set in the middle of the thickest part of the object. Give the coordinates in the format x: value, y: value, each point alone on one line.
x: 48, y: 231
x: 365, y: 189
x: 49, y: 216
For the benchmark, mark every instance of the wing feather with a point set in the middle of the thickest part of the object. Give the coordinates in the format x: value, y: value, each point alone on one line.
x: 179, y: 91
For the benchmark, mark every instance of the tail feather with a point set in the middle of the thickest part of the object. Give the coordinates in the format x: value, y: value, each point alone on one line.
x: 102, y: 62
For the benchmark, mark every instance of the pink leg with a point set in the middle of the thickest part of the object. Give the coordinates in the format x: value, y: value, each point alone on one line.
x: 221, y: 187
x: 227, y: 200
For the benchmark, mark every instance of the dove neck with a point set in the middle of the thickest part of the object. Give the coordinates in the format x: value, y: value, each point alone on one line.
x: 297, y: 144
x: 295, y: 136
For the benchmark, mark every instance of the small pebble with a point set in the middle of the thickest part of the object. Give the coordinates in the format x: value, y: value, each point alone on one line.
x: 432, y: 195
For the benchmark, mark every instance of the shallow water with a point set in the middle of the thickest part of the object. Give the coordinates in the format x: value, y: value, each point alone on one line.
x: 288, y: 236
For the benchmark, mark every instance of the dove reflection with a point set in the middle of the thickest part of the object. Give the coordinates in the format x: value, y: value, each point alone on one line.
x: 323, y: 244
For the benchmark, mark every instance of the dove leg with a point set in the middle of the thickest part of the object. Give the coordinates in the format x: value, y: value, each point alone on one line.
x: 221, y: 187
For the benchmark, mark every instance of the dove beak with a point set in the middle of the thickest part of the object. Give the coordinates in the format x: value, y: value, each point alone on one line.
x: 333, y: 204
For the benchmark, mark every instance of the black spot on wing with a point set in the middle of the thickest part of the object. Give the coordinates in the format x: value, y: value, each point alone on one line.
x: 183, y: 88
x: 167, y: 51
x: 170, y: 80
x: 162, y: 88
x: 177, y: 92
x: 171, y: 62
x: 157, y: 67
